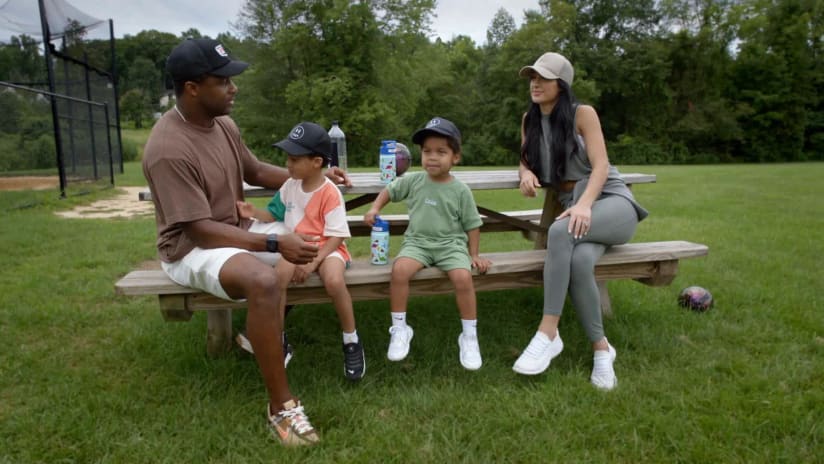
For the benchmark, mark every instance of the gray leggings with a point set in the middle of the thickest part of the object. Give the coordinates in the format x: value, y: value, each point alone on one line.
x: 570, y: 263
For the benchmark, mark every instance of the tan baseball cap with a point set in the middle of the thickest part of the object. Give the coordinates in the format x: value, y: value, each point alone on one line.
x: 551, y: 66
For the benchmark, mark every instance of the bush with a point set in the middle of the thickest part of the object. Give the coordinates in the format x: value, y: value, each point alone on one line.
x: 129, y: 150
x: 632, y: 150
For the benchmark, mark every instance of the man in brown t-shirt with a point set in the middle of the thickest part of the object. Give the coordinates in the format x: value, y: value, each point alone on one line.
x: 196, y: 162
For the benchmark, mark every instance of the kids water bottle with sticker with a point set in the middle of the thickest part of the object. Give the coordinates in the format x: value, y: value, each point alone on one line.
x: 380, y: 241
x: 387, y: 161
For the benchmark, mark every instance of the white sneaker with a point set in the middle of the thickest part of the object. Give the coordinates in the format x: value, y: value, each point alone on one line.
x: 399, y: 342
x: 603, y: 375
x: 470, y: 352
x: 538, y: 354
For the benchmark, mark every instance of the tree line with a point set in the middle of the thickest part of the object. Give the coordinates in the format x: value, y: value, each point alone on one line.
x: 674, y: 81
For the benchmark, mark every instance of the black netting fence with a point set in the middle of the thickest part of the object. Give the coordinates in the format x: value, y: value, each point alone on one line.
x: 58, y: 114
x: 35, y: 155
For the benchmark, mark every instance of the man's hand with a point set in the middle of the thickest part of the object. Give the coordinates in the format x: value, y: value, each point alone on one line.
x: 298, y: 248
x: 338, y: 176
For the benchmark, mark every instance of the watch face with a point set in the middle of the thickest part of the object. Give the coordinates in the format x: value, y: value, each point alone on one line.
x: 272, y: 243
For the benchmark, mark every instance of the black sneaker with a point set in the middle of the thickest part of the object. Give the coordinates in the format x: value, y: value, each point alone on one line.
x: 354, y: 362
x: 246, y: 345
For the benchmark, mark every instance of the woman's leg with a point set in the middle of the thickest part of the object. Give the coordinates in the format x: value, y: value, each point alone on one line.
x: 613, y: 222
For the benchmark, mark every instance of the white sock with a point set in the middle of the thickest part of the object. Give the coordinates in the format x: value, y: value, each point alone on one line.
x: 399, y: 319
x: 350, y: 337
x: 470, y: 327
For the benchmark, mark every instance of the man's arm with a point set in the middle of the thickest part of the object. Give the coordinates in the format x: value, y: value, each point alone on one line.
x: 206, y: 233
x: 265, y: 174
x: 270, y: 176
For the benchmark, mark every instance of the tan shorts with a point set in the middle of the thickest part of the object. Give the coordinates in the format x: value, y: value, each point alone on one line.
x: 200, y: 268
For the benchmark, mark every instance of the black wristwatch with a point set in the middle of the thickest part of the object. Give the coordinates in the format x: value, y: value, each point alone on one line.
x: 272, y: 243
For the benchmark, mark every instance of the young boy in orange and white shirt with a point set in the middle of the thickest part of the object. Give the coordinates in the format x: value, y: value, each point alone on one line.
x: 310, y: 204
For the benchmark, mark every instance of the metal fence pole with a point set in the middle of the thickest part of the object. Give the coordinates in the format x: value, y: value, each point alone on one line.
x: 58, y: 143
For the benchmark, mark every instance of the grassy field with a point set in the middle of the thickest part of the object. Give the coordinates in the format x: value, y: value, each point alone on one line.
x: 88, y: 377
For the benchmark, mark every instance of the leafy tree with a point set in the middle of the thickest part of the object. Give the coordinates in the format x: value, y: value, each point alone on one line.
x: 144, y: 76
x: 328, y: 59
x: 21, y: 61
x: 135, y: 107
x: 501, y: 27
x: 774, y: 77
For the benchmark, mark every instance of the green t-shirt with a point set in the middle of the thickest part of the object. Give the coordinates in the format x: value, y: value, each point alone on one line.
x: 438, y: 212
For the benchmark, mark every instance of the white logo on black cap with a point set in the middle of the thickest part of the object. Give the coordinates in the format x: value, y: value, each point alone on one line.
x: 296, y: 133
x: 434, y: 122
x: 220, y: 51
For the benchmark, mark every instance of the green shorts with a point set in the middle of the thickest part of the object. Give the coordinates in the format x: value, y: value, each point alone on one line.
x: 445, y: 258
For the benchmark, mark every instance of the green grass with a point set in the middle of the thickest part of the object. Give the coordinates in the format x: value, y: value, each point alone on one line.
x: 86, y: 376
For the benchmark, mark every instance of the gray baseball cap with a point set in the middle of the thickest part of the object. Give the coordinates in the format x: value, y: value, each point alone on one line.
x: 551, y: 65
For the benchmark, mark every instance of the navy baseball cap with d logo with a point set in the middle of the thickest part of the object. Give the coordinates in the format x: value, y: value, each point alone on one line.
x: 307, y: 138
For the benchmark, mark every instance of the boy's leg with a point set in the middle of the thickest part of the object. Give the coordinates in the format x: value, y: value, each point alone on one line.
x: 331, y: 272
x: 470, y: 351
x: 400, y: 332
x: 402, y: 271
x: 464, y: 293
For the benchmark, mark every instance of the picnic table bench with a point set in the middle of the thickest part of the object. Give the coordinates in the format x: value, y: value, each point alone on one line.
x: 651, y: 263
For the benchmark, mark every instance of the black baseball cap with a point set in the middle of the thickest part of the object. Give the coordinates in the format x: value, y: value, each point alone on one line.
x: 193, y: 58
x: 307, y: 138
x: 439, y: 126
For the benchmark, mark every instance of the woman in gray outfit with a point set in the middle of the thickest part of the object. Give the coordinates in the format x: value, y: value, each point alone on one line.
x: 562, y: 147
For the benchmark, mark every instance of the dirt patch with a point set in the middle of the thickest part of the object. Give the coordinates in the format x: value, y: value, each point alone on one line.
x: 124, y: 205
x: 29, y: 183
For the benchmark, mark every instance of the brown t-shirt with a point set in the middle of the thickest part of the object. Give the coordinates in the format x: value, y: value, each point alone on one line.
x: 193, y: 173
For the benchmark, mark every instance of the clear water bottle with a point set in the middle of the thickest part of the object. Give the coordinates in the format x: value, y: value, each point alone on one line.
x: 338, y: 146
x: 387, y: 161
x: 380, y: 242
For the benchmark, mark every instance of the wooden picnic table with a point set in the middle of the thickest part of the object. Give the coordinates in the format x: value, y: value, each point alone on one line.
x: 653, y: 263
x: 367, y: 186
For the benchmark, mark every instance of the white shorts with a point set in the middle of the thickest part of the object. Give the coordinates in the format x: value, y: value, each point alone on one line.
x: 200, y: 268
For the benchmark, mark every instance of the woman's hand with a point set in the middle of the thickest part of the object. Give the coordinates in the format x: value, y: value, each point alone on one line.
x: 580, y: 217
x: 529, y: 183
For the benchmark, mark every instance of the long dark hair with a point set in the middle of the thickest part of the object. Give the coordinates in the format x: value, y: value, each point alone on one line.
x: 561, y: 123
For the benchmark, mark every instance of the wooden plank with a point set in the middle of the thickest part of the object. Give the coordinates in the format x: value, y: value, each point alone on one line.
x: 369, y: 182
x: 514, y: 221
x: 633, y: 261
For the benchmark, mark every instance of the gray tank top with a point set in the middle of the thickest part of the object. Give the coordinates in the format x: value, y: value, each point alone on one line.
x: 578, y: 169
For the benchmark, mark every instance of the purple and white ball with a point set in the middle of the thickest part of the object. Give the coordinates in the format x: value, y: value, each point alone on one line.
x: 402, y: 158
x: 696, y: 298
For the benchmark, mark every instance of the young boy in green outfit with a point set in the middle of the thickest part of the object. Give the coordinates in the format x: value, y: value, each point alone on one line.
x: 443, y: 231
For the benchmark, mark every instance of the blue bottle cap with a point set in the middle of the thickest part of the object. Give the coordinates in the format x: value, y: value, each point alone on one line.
x: 380, y: 225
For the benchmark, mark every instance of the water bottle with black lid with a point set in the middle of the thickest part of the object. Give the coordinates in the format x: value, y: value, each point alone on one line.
x: 338, y: 146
